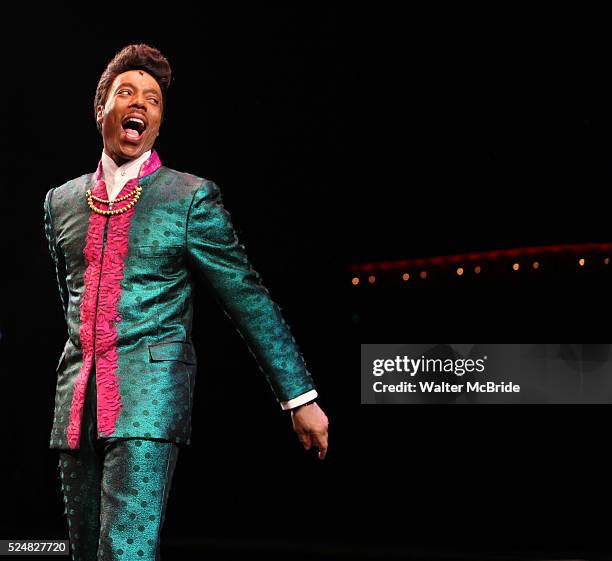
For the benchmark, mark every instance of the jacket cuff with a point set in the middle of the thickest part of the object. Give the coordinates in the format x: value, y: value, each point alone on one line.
x: 299, y: 400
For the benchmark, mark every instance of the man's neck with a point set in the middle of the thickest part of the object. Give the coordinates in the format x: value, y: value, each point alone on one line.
x: 115, y: 162
x: 116, y: 158
x: 117, y: 174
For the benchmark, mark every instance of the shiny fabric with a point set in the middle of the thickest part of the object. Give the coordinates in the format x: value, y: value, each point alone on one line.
x: 105, y: 250
x: 180, y: 237
x: 115, y: 492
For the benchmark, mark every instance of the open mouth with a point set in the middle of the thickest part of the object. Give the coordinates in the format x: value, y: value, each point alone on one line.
x: 134, y: 127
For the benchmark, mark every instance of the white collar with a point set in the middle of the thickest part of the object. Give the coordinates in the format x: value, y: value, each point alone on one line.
x: 127, y: 171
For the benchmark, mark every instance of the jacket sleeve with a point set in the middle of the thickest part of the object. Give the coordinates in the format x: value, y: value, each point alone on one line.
x: 56, y: 254
x: 217, y: 257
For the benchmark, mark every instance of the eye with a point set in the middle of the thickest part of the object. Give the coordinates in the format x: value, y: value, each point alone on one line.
x: 123, y: 91
x: 154, y: 100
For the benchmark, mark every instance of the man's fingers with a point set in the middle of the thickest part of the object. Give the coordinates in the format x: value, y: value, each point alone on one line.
x: 320, y: 441
x: 305, y: 440
x: 311, y: 426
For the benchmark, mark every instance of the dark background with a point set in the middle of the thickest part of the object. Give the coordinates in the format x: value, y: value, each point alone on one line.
x: 485, y: 127
x: 337, y: 137
x: 488, y: 128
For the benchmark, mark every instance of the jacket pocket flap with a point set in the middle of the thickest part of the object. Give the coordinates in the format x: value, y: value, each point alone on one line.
x: 59, y: 364
x: 173, y: 350
x: 156, y: 251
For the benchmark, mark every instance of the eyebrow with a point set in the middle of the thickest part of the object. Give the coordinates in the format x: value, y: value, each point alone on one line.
x: 148, y: 90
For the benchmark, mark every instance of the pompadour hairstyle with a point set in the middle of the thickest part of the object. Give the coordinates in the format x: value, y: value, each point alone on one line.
x: 134, y: 57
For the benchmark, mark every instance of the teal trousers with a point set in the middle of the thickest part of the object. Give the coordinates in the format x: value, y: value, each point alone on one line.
x: 115, y: 492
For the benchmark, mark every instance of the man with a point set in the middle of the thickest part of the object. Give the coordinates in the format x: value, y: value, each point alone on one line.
x: 129, y: 243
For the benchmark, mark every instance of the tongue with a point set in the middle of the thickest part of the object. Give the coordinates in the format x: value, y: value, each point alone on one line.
x: 132, y: 133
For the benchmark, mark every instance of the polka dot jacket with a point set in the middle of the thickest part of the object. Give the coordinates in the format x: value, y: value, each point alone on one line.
x: 126, y: 283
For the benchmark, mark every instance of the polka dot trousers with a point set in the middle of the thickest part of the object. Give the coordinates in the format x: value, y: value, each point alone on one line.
x: 115, y: 492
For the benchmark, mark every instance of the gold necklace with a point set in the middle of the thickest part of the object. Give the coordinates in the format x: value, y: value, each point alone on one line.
x: 91, y: 198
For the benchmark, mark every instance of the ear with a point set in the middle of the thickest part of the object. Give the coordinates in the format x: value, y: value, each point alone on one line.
x: 99, y: 114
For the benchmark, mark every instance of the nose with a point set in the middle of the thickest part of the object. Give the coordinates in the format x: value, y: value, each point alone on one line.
x: 138, y: 101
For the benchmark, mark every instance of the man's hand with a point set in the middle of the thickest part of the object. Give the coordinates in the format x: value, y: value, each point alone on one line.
x: 310, y: 424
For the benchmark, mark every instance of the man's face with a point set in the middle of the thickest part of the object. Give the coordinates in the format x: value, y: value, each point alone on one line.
x: 131, y: 116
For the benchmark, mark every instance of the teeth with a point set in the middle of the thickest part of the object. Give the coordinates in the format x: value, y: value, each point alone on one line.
x: 135, y: 120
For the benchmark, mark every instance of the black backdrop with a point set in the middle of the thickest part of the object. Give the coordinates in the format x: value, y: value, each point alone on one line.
x: 337, y: 137
x: 488, y: 127
x: 485, y: 127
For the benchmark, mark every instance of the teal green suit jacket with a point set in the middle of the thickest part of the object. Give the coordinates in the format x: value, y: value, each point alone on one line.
x: 179, y: 233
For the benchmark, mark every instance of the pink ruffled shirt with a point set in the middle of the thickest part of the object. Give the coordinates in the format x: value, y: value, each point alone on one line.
x: 115, y: 177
